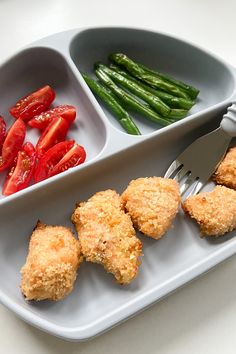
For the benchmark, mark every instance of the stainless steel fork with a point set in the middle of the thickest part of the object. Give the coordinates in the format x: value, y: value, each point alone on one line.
x: 193, y: 168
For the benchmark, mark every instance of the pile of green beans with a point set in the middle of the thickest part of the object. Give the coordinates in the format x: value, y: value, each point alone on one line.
x: 127, y: 85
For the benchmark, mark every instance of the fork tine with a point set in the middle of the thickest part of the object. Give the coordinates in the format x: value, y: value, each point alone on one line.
x: 187, y: 184
x: 173, y: 167
x: 183, y: 172
x: 198, y: 187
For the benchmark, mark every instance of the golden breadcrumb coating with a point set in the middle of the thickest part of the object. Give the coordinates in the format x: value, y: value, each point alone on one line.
x: 107, y: 235
x: 51, y: 265
x: 214, y: 211
x: 152, y: 203
x: 226, y: 172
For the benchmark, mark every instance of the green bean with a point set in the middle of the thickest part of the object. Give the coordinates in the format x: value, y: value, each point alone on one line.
x: 129, y: 100
x: 150, y: 79
x: 108, y: 98
x: 190, y: 90
x: 170, y: 100
x: 177, y: 114
x: 158, y: 105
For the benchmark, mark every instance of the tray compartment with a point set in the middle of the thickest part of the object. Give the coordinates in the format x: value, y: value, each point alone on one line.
x: 177, y: 58
x: 97, y: 302
x: 36, y: 67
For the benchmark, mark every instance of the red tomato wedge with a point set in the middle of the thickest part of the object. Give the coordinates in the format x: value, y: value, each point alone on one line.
x: 42, y: 120
x: 50, y: 159
x: 74, y: 157
x: 12, y: 143
x: 20, y: 174
x: 2, y: 131
x: 54, y: 133
x: 33, y: 104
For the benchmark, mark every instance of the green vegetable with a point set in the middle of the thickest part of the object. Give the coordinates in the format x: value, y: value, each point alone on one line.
x: 150, y: 79
x: 177, y: 114
x: 106, y: 96
x: 130, y: 101
x: 171, y: 101
x: 190, y: 90
x: 155, y: 102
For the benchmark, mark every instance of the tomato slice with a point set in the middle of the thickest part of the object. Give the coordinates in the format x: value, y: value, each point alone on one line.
x: 12, y: 143
x: 42, y: 120
x: 2, y: 131
x: 54, y: 133
x: 20, y: 174
x: 33, y: 104
x: 74, y: 157
x: 50, y: 159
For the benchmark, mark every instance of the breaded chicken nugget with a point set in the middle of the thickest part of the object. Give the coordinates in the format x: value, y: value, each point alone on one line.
x: 226, y: 172
x: 152, y: 203
x: 107, y: 235
x: 51, y: 265
x: 214, y: 211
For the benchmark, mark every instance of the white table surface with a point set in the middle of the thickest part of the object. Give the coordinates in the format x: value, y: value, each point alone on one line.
x: 201, y: 317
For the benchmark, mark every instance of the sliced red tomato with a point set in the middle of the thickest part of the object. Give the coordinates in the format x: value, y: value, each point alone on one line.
x: 74, y: 157
x: 50, y: 159
x: 42, y: 120
x: 54, y: 133
x: 12, y: 144
x: 2, y: 131
x: 33, y: 104
x: 20, y: 174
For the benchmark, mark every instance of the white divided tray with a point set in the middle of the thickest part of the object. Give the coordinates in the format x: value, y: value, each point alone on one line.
x: 114, y: 158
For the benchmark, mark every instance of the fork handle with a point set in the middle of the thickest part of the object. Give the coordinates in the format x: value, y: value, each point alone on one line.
x: 228, y: 123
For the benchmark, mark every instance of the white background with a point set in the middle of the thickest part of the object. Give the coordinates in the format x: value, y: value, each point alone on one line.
x: 201, y: 317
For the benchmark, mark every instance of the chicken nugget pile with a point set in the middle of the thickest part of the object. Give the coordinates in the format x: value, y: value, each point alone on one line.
x: 105, y: 225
